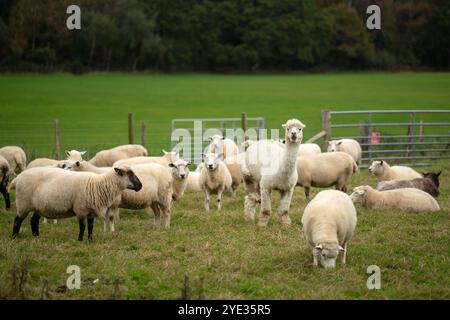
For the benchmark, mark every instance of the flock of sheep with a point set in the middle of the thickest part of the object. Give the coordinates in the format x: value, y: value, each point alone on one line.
x: 126, y: 177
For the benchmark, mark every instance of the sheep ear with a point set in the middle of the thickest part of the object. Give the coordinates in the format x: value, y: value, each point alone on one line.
x: 439, y: 173
x: 67, y: 153
x: 210, y: 138
x: 381, y: 162
x: 172, y: 165
x: 164, y: 151
x: 341, y: 249
x: 339, y: 143
x: 319, y: 247
x: 119, y: 171
x: 284, y: 125
x: 82, y: 152
x: 77, y: 163
x: 188, y: 163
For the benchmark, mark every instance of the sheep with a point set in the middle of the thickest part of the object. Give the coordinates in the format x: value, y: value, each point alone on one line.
x: 220, y: 144
x: 193, y: 182
x: 329, y: 222
x: 233, y: 164
x: 55, y: 193
x: 5, y: 174
x: 407, y: 199
x: 349, y: 146
x: 42, y: 162
x: 308, y: 150
x: 325, y: 170
x: 15, y: 156
x: 269, y: 166
x: 214, y: 178
x: 180, y: 174
x: 75, y: 155
x: 424, y: 184
x: 384, y: 172
x: 107, y: 158
x: 164, y: 160
x: 433, y: 176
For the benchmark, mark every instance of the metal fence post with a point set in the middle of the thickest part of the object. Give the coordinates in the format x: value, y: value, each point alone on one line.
x: 143, y: 133
x: 57, y: 140
x: 244, y: 121
x: 130, y: 129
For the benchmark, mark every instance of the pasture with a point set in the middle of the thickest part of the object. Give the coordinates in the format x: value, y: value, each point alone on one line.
x: 215, y: 255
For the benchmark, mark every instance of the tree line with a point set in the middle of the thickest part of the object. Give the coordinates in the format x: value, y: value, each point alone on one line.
x: 223, y: 35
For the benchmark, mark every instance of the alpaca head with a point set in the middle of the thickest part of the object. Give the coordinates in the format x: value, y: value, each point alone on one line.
x: 294, y: 131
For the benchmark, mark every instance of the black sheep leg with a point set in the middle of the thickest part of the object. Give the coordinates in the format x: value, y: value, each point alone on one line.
x: 90, y: 227
x: 35, y: 224
x: 5, y: 194
x: 16, y: 227
x: 82, y: 227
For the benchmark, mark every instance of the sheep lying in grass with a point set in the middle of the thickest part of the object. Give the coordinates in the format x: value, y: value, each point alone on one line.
x: 424, y: 184
x: 220, y: 144
x: 329, y: 222
x: 5, y: 174
x: 384, y: 172
x: 325, y: 170
x: 214, y: 178
x: 15, y: 156
x: 55, y: 193
x: 434, y: 177
x: 270, y: 166
x: 107, y: 158
x: 407, y: 199
x: 349, y: 146
x: 164, y: 160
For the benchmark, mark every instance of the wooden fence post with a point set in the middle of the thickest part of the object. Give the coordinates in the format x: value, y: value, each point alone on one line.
x: 222, y: 128
x: 244, y: 121
x: 326, y: 126
x: 143, y: 133
x: 130, y: 129
x: 57, y: 140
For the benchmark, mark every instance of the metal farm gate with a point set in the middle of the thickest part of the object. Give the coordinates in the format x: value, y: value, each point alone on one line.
x: 200, y: 128
x: 401, y: 136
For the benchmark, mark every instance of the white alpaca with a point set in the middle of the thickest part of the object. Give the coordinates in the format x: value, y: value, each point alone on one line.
x: 270, y: 166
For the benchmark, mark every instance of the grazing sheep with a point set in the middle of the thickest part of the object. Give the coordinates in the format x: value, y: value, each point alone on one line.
x: 424, y: 184
x: 214, y: 178
x: 325, y: 170
x: 308, y: 150
x: 15, y: 156
x: 384, y: 172
x: 223, y: 145
x: 349, y: 146
x: 5, y: 174
x: 329, y: 222
x: 193, y: 182
x: 107, y: 158
x: 270, y: 166
x: 75, y: 155
x: 165, y: 160
x: 233, y: 164
x: 407, y: 199
x: 55, y: 193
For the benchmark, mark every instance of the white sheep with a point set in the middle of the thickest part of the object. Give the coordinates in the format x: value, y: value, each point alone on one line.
x: 308, y: 150
x: 180, y: 176
x: 193, y: 182
x: 405, y: 199
x: 220, y: 144
x: 107, y: 158
x: 233, y: 164
x: 5, y: 174
x: 164, y: 160
x: 349, y: 146
x: 384, y: 172
x: 15, y: 156
x: 55, y: 193
x: 325, y: 170
x: 329, y: 222
x: 214, y: 178
x: 75, y: 155
x: 270, y: 166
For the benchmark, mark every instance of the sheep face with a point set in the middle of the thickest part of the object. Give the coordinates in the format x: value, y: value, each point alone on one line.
x: 128, y: 178
x: 433, y: 177
x: 180, y: 169
x: 333, y: 146
x: 377, y: 168
x: 358, y: 195
x: 211, y: 160
x: 327, y: 254
x: 68, y: 165
x: 294, y: 130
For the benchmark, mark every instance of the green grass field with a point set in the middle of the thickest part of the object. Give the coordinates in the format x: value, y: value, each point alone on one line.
x: 223, y: 255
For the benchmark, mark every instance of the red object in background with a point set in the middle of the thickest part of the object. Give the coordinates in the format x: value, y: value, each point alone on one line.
x: 375, y: 138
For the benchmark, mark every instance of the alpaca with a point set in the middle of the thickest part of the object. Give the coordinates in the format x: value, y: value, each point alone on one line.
x: 269, y: 166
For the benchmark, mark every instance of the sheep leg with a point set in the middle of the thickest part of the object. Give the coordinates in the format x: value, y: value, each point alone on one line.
x: 219, y: 200
x: 315, y: 261
x: 166, y: 212
x: 307, y: 190
x: 5, y: 195
x: 344, y: 254
x: 207, y: 199
x: 285, y: 203
x: 266, y: 207
x: 16, y: 227
x: 90, y: 221
x: 82, y: 227
x: 34, y: 221
x: 157, y: 220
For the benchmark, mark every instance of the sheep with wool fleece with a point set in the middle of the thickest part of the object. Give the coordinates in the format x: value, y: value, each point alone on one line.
x: 15, y: 156
x: 350, y: 146
x: 107, y: 158
x: 384, y: 172
x: 165, y: 160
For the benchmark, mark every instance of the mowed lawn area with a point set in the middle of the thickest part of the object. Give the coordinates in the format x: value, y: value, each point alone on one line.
x: 218, y: 254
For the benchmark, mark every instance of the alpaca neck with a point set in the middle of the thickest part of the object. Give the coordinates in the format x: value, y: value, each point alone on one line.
x: 288, y: 164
